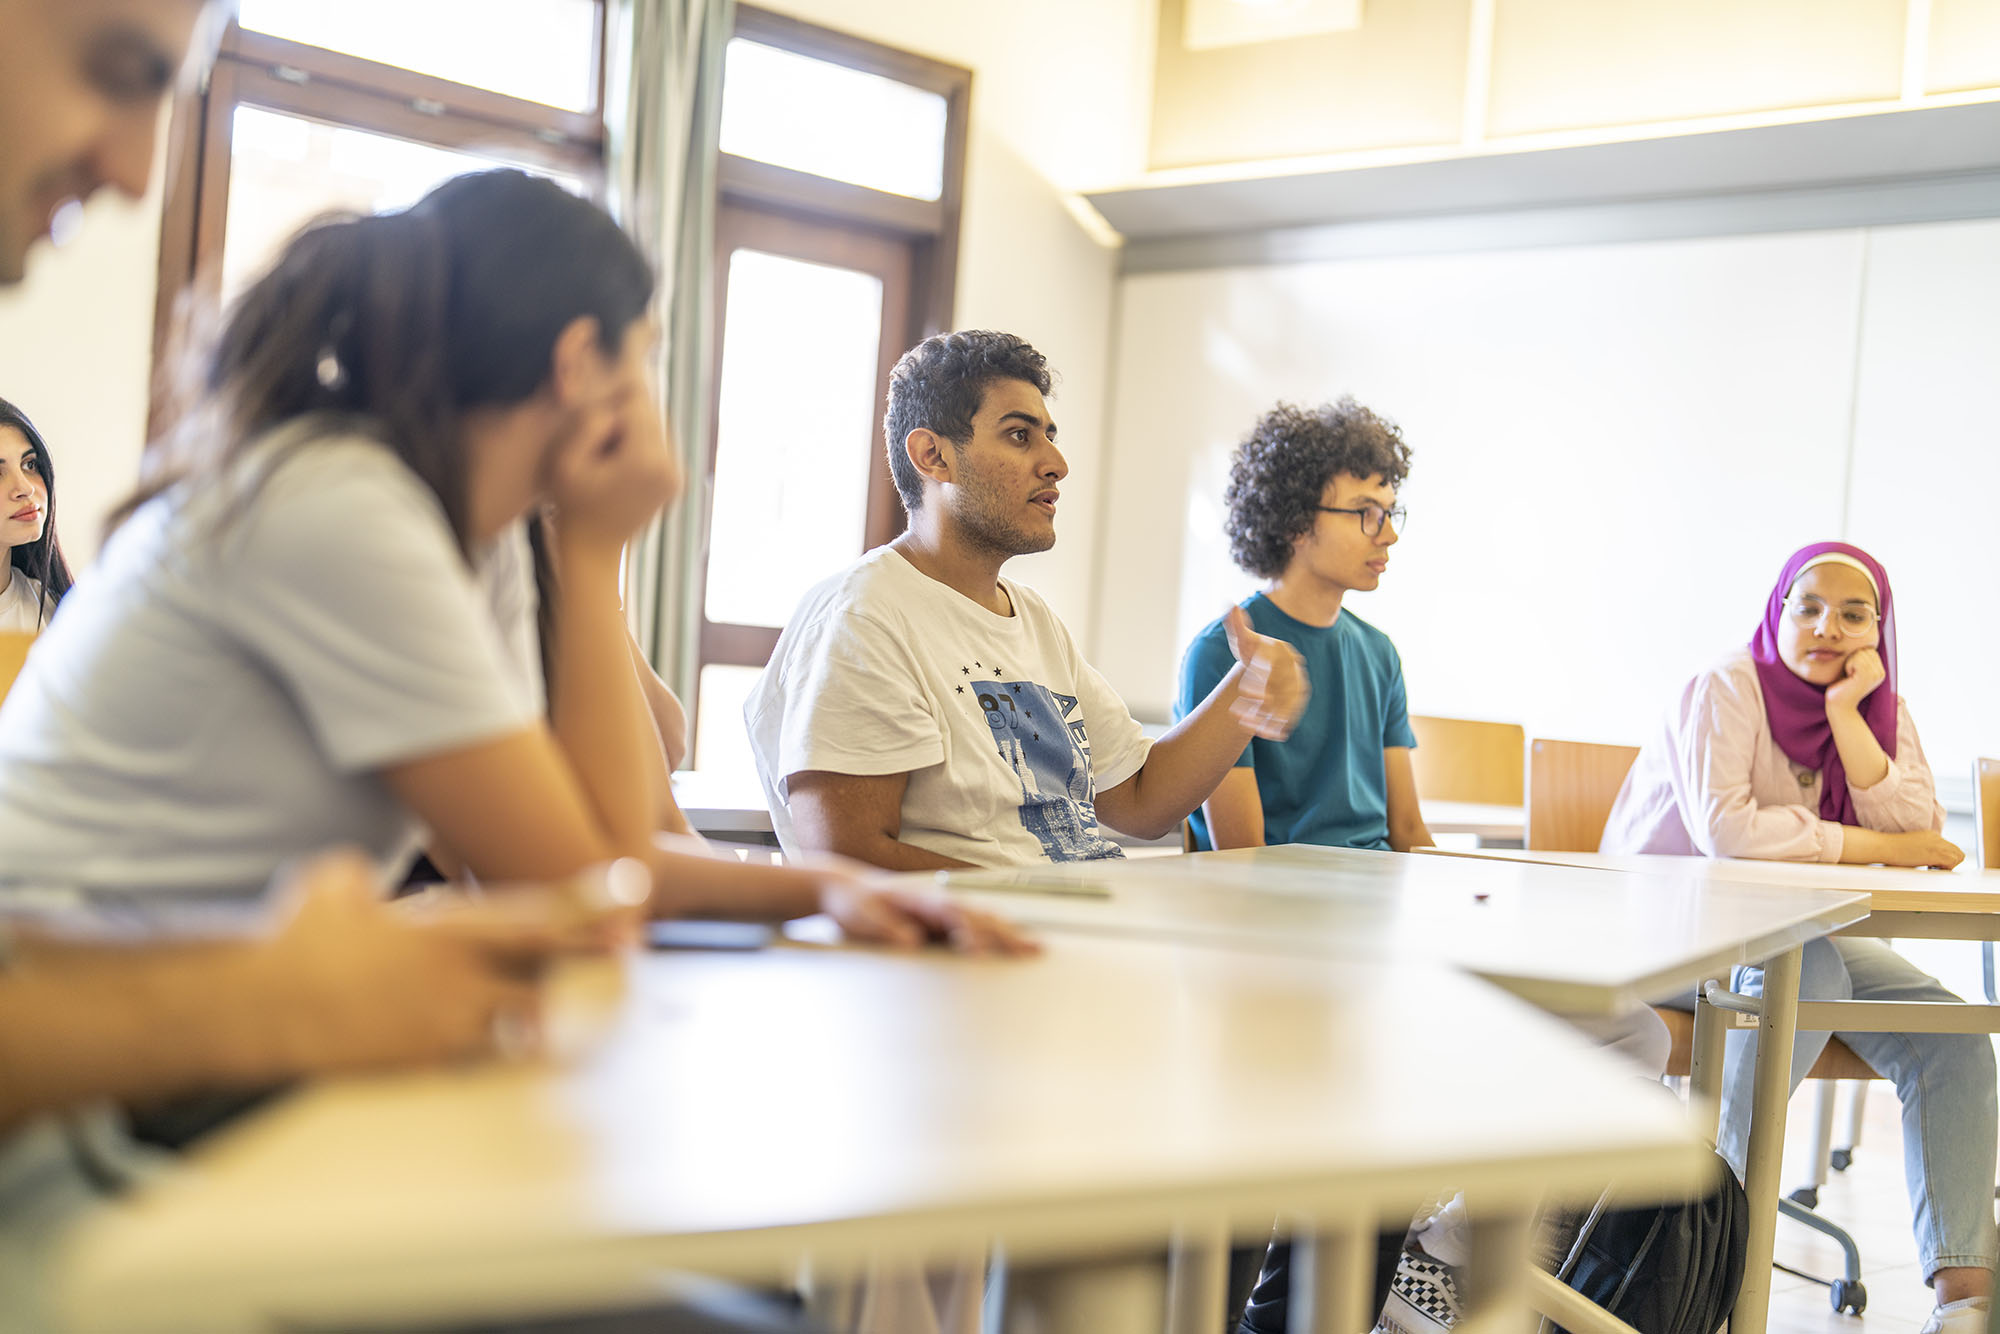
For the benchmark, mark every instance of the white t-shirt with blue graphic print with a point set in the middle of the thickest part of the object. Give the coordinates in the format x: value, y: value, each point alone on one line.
x: 1007, y: 734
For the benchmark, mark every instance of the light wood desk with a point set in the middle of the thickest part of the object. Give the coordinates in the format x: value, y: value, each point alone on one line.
x: 1918, y: 905
x: 1571, y: 939
x: 733, y: 811
x: 1488, y: 823
x: 729, y: 811
x: 748, y: 1111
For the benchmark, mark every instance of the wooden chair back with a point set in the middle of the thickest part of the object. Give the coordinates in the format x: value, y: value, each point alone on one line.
x: 1836, y: 1060
x: 1462, y: 759
x: 1571, y: 788
x: 13, y: 653
x: 1986, y: 812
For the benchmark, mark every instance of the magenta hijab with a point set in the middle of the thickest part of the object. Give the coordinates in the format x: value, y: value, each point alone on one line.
x: 1797, y: 708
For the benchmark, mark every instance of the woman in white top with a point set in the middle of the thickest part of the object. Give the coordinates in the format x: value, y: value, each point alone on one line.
x: 1798, y: 748
x: 38, y: 574
x: 316, y: 624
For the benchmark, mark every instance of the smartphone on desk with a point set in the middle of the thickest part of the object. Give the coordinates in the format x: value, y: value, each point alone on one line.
x: 702, y: 934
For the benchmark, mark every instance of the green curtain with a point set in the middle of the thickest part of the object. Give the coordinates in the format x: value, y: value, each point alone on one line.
x: 663, y: 114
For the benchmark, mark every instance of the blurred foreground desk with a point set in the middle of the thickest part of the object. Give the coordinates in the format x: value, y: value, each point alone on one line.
x: 749, y: 1112
x: 1576, y: 940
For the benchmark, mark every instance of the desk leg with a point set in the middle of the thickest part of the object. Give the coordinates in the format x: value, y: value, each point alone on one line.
x: 1764, y: 1157
x: 1705, y: 1065
x: 1198, y: 1281
x: 1338, y: 1277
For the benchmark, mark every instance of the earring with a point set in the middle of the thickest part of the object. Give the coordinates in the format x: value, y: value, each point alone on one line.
x: 330, y: 373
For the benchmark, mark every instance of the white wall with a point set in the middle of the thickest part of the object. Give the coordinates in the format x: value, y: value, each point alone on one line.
x: 1419, y: 77
x: 1926, y: 493
x: 1059, y: 101
x: 1615, y: 448
x: 76, y: 353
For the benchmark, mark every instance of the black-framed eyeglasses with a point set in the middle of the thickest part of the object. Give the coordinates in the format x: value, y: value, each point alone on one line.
x: 1372, y: 517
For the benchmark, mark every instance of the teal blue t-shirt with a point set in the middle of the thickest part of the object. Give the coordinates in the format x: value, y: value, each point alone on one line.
x: 1325, y: 783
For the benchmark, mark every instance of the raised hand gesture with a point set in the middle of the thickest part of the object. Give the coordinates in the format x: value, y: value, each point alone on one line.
x: 1273, y: 689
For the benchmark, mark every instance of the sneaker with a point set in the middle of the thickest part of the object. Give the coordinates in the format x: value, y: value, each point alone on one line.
x: 1423, y: 1298
x: 1968, y: 1316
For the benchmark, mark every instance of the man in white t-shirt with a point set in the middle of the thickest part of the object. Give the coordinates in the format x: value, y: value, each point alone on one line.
x: 921, y: 711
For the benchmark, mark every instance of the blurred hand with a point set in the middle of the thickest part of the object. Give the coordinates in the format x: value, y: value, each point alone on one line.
x: 1861, y: 674
x: 350, y: 982
x: 1274, y: 688
x: 598, y: 909
x: 607, y: 480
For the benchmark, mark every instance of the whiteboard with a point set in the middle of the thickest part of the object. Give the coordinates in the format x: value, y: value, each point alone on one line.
x: 1926, y: 493
x: 1615, y: 448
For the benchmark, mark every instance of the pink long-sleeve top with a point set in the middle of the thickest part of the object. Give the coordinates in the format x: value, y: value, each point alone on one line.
x: 1713, y: 783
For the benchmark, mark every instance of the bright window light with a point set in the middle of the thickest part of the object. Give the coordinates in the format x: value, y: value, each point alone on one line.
x: 541, y: 50
x: 721, y: 744
x: 285, y: 171
x: 815, y: 116
x: 791, y: 467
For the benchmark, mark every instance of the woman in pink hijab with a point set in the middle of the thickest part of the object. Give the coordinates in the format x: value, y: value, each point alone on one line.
x: 1798, y: 748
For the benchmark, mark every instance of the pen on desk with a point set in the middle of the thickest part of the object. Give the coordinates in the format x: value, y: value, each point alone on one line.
x: 1000, y: 882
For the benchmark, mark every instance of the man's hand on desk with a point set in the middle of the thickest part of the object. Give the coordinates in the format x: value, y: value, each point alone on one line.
x: 870, y: 912
x: 693, y: 880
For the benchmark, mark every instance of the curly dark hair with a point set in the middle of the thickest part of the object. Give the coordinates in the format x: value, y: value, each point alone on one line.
x: 939, y: 384
x: 1281, y: 469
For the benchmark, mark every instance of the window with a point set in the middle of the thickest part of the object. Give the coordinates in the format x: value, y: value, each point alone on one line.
x: 828, y: 120
x: 836, y: 250
x: 364, y: 106
x: 539, y: 50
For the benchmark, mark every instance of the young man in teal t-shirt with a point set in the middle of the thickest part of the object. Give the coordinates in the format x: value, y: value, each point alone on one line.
x: 1312, y: 509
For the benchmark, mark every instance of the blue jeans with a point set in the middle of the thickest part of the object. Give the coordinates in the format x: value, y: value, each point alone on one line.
x: 1945, y: 1081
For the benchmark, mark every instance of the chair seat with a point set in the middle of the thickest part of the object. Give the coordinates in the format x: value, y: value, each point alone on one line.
x: 1838, y: 1061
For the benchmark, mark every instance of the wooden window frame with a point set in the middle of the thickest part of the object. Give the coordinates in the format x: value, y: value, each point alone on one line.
x: 932, y: 224
x: 352, y: 92
x: 929, y: 226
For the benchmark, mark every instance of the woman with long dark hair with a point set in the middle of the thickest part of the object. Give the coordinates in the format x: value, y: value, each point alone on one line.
x: 38, y: 576
x: 316, y: 622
